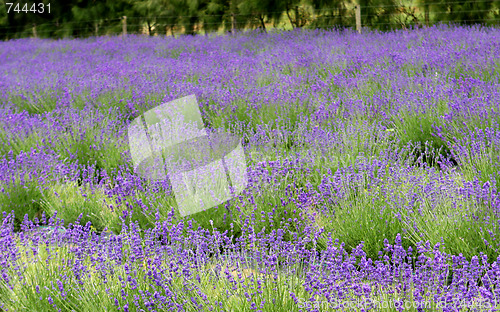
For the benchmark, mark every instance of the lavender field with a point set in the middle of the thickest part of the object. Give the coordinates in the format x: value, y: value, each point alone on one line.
x: 373, y: 173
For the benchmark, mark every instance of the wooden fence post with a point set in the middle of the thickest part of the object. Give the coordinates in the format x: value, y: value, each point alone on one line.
x: 233, y: 24
x: 124, y: 26
x: 358, y: 18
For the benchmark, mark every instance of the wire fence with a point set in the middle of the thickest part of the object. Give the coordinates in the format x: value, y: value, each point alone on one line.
x: 371, y: 16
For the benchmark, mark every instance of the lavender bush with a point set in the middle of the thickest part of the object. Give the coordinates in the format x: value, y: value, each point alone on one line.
x: 373, y: 167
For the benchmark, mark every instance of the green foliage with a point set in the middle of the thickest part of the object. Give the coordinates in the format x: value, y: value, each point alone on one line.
x: 377, y: 13
x: 333, y: 13
x: 89, y: 145
x: 418, y: 130
x: 18, y: 142
x: 97, y: 18
x: 215, y: 15
x: 260, y: 12
x: 156, y: 16
x: 35, y: 103
x: 466, y: 11
x: 465, y: 228
x: 82, y: 18
x: 22, y: 199
x: 69, y: 201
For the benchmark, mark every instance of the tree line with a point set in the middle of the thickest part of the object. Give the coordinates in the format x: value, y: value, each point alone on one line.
x: 83, y: 18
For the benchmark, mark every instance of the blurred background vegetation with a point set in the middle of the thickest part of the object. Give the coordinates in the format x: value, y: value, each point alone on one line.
x: 85, y: 18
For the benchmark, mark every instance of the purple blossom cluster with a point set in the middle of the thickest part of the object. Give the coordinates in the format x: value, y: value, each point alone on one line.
x: 373, y: 166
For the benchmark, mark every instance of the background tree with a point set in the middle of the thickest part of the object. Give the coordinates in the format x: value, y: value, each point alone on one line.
x: 260, y: 12
x: 93, y: 17
x: 53, y: 24
x: 13, y: 25
x: 146, y: 13
x: 190, y: 14
x: 62, y: 19
x: 332, y: 13
x: 465, y: 11
x: 81, y: 18
x: 378, y: 14
x: 426, y: 6
x: 409, y: 17
x: 295, y: 16
x: 170, y: 16
x: 215, y: 15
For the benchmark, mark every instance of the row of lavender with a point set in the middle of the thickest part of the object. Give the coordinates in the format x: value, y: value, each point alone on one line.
x: 349, y: 138
x: 131, y: 271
